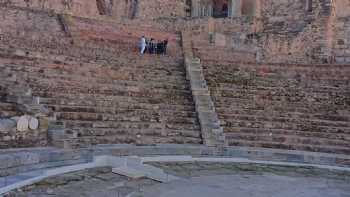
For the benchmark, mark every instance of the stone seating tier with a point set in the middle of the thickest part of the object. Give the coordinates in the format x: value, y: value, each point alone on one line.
x: 282, y: 106
x: 212, y: 51
x: 107, y: 104
x: 99, y: 90
x: 7, y: 109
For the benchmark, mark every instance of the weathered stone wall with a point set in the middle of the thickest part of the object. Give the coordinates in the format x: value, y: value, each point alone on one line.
x: 292, y: 33
x: 83, y: 8
x: 113, y: 9
x: 153, y: 9
x: 226, y: 39
x: 278, y: 31
x: 341, y: 40
x: 341, y: 31
x: 284, y: 31
x: 283, y: 106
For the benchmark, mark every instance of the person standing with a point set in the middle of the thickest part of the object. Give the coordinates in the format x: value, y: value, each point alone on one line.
x: 152, y: 46
x: 159, y: 47
x: 142, y: 45
x: 165, y: 45
x: 147, y: 46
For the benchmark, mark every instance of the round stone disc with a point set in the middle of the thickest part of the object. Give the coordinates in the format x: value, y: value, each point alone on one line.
x: 33, y: 123
x: 23, y: 123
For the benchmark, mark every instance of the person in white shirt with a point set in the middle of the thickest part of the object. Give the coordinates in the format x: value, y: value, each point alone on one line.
x: 142, y: 45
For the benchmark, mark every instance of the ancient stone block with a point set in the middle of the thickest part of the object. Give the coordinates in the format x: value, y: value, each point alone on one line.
x: 33, y: 123
x: 7, y: 125
x: 23, y: 123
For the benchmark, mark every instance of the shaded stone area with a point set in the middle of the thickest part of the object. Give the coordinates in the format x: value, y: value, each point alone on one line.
x: 93, y: 182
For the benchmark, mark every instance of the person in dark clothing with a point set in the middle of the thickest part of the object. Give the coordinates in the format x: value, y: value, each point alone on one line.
x: 165, y: 45
x: 160, y: 47
x: 152, y: 46
x: 147, y: 46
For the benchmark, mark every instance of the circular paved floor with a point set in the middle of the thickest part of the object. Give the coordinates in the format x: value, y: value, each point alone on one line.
x: 251, y: 186
x: 199, y: 179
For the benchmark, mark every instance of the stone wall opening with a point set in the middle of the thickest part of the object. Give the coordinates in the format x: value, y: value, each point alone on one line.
x: 211, y: 8
x: 188, y: 8
x: 223, y: 8
x: 220, y: 8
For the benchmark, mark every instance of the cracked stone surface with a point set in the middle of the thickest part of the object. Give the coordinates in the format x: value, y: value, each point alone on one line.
x: 249, y: 180
x: 196, y: 169
x: 99, y: 182
x: 200, y: 179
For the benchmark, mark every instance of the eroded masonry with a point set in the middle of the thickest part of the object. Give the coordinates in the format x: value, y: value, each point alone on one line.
x: 253, y: 73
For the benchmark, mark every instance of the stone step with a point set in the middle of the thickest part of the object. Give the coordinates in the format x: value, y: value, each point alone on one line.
x: 130, y: 125
x: 5, y: 106
x: 284, y: 122
x: 204, y: 100
x: 137, y: 117
x: 117, y: 108
x: 129, y: 79
x: 199, y: 85
x: 231, y: 88
x: 274, y: 145
x: 298, y: 111
x: 75, y: 132
x: 323, y: 132
x: 200, y: 91
x: 210, y: 116
x: 78, y: 68
x: 127, y: 112
x: 110, y: 80
x: 112, y: 90
x: 119, y: 102
x: 88, y: 141
x: 88, y: 54
x: 292, y: 139
x: 177, y: 109
x: 231, y: 111
x: 83, y: 98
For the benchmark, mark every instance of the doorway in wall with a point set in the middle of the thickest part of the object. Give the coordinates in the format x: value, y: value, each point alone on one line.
x: 221, y: 8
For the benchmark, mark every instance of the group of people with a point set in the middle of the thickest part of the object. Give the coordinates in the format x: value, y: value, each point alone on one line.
x: 152, y: 46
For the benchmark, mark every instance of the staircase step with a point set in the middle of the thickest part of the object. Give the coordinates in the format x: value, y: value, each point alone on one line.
x: 210, y: 124
x: 129, y: 172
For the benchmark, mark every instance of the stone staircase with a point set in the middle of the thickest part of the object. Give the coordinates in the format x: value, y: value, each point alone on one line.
x: 212, y: 132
